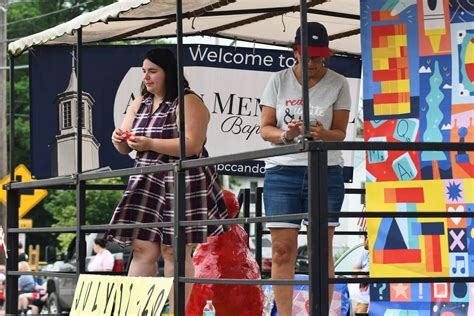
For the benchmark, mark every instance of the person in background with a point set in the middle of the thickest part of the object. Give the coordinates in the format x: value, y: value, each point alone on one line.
x: 363, y: 265
x: 150, y: 128
x: 37, y: 304
x: 2, y: 285
x: 286, y: 177
x: 33, y: 300
x: 3, y: 270
x: 103, y: 260
x: 26, y: 283
x: 22, y: 256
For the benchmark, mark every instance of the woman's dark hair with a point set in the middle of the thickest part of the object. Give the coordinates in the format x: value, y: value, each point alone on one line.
x: 100, y: 242
x: 165, y: 59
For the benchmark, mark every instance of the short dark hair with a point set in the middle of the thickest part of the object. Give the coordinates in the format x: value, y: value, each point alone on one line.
x: 20, y: 245
x: 164, y: 58
x: 100, y: 242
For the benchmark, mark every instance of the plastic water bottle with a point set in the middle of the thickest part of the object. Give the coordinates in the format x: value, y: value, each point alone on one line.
x: 209, y: 309
x: 268, y: 300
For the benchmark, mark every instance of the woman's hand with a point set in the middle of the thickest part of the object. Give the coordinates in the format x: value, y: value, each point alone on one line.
x: 295, y: 129
x: 117, y: 136
x: 318, y: 132
x: 139, y: 143
x: 337, y: 130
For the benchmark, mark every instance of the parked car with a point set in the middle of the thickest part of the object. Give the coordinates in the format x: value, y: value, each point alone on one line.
x: 343, y: 264
x: 61, y: 290
x: 266, y: 252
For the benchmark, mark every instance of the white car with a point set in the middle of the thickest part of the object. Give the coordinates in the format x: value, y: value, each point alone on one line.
x: 266, y: 252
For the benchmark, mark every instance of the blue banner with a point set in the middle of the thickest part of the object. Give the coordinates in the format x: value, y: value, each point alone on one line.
x: 229, y: 79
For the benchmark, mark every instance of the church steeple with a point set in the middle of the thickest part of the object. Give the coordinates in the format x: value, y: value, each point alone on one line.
x: 66, y: 138
x: 72, y: 86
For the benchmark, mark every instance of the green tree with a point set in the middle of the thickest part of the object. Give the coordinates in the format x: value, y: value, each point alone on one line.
x: 23, y: 19
x: 30, y: 17
x: 100, y: 205
x: 27, y: 18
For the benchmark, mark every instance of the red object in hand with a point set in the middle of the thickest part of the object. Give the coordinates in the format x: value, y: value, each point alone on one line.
x: 127, y: 135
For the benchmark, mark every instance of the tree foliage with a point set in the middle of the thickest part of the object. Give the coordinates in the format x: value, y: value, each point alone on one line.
x: 29, y: 17
x: 100, y: 205
x: 25, y: 18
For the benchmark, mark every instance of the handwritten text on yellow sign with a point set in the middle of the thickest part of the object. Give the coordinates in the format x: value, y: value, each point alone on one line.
x: 100, y: 295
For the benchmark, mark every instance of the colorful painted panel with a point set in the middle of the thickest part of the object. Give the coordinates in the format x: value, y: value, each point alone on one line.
x: 418, y: 247
x: 436, y: 299
x: 415, y: 247
x: 418, y: 59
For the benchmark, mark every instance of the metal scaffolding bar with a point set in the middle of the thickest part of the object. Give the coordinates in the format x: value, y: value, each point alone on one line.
x: 13, y: 201
x: 80, y: 185
x: 179, y: 240
x: 319, y: 279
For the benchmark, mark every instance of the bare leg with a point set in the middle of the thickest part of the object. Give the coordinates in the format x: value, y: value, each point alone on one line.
x: 145, y: 257
x: 167, y: 252
x: 23, y: 301
x: 361, y: 308
x: 34, y: 309
x: 330, y: 262
x: 284, y: 248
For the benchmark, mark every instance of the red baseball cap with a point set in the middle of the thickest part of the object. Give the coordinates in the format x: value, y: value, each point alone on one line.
x: 318, y: 40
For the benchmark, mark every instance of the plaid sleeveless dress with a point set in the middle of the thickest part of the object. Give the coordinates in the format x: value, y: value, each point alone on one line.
x: 149, y: 198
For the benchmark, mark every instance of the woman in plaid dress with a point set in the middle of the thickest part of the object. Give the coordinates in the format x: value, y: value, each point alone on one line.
x: 152, y: 121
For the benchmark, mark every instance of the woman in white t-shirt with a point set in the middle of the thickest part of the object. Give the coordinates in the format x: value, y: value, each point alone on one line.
x: 286, y: 185
x: 104, y: 260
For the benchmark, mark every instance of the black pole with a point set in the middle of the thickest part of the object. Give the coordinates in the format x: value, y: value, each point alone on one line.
x: 179, y: 58
x: 11, y: 303
x: 179, y: 252
x: 179, y: 241
x: 258, y: 227
x: 12, y: 117
x: 80, y: 187
x: 247, y: 209
x: 316, y: 297
x: 318, y: 233
x: 12, y: 243
x: 304, y: 65
x: 79, y: 109
x: 322, y: 190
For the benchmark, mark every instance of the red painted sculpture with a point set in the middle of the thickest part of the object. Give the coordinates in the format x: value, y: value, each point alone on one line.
x: 226, y: 256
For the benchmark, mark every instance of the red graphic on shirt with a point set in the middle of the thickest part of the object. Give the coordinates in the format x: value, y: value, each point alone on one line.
x: 294, y: 102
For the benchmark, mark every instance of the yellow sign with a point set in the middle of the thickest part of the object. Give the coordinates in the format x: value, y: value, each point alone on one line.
x: 25, y: 223
x: 99, y: 295
x: 28, y: 198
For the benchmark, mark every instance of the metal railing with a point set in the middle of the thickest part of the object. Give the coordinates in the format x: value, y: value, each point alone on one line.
x: 318, y: 281
x: 318, y: 276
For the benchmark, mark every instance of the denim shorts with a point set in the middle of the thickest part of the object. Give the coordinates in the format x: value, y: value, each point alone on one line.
x: 285, y: 192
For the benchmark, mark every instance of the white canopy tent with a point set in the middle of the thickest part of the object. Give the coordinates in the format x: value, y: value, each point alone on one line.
x: 263, y: 21
x: 260, y: 21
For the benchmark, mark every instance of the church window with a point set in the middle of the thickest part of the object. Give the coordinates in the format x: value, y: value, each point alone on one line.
x: 89, y: 112
x: 67, y: 121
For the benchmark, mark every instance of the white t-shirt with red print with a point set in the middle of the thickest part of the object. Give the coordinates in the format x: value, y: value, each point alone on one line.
x: 283, y: 92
